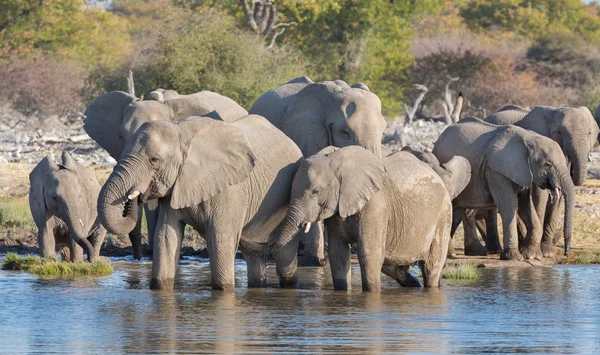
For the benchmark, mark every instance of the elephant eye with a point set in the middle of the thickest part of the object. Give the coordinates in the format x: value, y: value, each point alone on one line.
x: 548, y: 164
x: 346, y: 134
x: 154, y: 160
x: 315, y: 192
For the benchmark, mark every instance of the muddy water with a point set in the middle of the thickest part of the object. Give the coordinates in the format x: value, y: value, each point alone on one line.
x: 534, y: 310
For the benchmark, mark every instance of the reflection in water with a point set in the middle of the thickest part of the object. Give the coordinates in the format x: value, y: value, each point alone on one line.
x: 532, y: 310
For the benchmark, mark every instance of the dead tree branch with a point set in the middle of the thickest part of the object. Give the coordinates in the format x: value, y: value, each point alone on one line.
x: 261, y: 16
x: 410, y: 113
x: 130, y: 86
x: 448, y: 105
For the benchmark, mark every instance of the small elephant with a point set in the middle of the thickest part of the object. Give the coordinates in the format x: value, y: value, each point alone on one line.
x: 112, y: 119
x: 506, y: 162
x: 317, y: 115
x: 396, y: 210
x: 62, y: 199
x: 230, y: 181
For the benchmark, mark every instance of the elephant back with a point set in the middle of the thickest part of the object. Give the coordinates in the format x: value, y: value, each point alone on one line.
x: 273, y: 103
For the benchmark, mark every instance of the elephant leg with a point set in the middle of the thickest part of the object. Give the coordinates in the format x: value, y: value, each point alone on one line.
x: 46, y: 241
x: 135, y: 236
x: 98, y: 237
x: 531, y: 245
x: 339, y: 262
x: 314, y: 246
x: 552, y: 227
x: 456, y: 219
x: 492, y: 242
x: 370, y: 250
x: 506, y: 201
x: 402, y: 275
x: 433, y: 265
x: 167, y: 242
x: 481, y: 223
x: 286, y: 264
x: 151, y: 212
x: 75, y: 252
x: 257, y: 270
x: 473, y: 246
x: 86, y: 245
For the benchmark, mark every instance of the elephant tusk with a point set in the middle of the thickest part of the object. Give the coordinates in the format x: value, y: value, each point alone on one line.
x: 80, y: 222
x: 134, y: 195
x: 307, y: 228
x: 557, y: 193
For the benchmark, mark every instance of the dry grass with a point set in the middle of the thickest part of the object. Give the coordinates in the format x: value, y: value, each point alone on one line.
x: 53, y: 267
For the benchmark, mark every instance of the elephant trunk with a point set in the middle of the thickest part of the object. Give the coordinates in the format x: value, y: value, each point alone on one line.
x: 576, y: 151
x: 119, y: 198
x: 565, y: 184
x: 280, y: 237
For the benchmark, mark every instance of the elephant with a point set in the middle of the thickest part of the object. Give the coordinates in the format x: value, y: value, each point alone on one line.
x: 316, y: 115
x: 597, y: 119
x: 506, y: 162
x: 231, y: 181
x: 396, y: 210
x: 112, y: 119
x: 62, y: 199
x: 576, y: 131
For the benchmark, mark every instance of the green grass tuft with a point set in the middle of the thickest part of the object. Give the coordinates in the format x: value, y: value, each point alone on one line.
x: 15, y: 213
x: 582, y: 258
x: 466, y: 271
x: 54, y: 267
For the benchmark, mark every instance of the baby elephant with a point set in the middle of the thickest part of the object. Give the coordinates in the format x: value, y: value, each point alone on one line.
x: 63, y: 199
x: 395, y: 209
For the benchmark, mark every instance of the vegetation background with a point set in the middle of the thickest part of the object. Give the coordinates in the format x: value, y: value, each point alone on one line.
x: 57, y: 55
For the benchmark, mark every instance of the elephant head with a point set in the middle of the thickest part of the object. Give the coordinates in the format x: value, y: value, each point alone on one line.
x: 573, y: 128
x: 336, y: 180
x: 188, y: 161
x: 597, y: 119
x: 334, y: 113
x: 112, y: 119
x: 62, y: 191
x: 528, y: 158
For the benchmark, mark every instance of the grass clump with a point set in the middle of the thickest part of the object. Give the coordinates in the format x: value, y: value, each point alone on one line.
x: 53, y: 267
x: 15, y: 213
x: 465, y: 271
x: 582, y: 258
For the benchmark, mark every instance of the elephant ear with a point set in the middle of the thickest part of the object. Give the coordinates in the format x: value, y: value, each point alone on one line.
x: 509, y: 155
x: 68, y: 162
x: 103, y: 118
x: 360, y: 174
x: 216, y: 155
x: 360, y: 86
x: 304, y: 119
x: 36, y: 190
x: 460, y: 169
x: 327, y: 150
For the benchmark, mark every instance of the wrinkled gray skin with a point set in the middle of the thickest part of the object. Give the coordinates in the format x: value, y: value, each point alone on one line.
x: 455, y: 174
x: 112, y: 120
x: 506, y: 161
x: 230, y: 181
x: 395, y: 209
x: 597, y: 119
x: 317, y: 115
x: 576, y: 131
x: 62, y: 199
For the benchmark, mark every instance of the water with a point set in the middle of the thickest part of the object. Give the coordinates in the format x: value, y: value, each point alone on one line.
x: 509, y: 311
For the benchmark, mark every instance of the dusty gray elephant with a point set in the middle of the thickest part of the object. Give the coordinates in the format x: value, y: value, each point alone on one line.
x: 317, y: 115
x: 364, y: 200
x: 576, y: 131
x: 112, y: 119
x: 230, y: 181
x: 506, y: 161
x: 62, y: 199
x: 597, y: 119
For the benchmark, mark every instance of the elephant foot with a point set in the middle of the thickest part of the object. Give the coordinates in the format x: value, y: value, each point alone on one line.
x: 289, y: 282
x: 475, y: 250
x: 341, y: 285
x: 531, y: 253
x: 511, y: 255
x: 451, y: 251
x: 548, y: 249
x: 311, y: 260
x: 493, y: 248
x: 409, y: 281
x: 218, y: 286
x: 257, y: 283
x: 166, y: 284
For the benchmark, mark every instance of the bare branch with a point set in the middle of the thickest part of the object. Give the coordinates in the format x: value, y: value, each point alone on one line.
x: 249, y: 16
x: 457, y: 108
x: 410, y: 114
x: 285, y: 24
x: 130, y: 86
x: 19, y: 16
x: 274, y: 37
x: 272, y: 17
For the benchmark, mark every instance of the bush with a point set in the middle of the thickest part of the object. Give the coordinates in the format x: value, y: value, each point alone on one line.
x: 205, y: 52
x: 43, y: 83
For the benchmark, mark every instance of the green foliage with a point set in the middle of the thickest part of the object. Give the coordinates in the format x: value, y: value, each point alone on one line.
x: 463, y: 271
x: 531, y: 18
x: 68, y: 27
x: 53, y: 267
x: 205, y: 52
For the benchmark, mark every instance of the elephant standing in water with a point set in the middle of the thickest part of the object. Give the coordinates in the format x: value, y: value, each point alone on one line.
x: 396, y: 210
x: 230, y: 181
x: 506, y: 162
x: 575, y: 130
x: 112, y: 120
x: 62, y: 199
x: 317, y: 115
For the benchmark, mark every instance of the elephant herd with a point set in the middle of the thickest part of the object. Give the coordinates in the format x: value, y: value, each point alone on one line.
x: 305, y: 165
